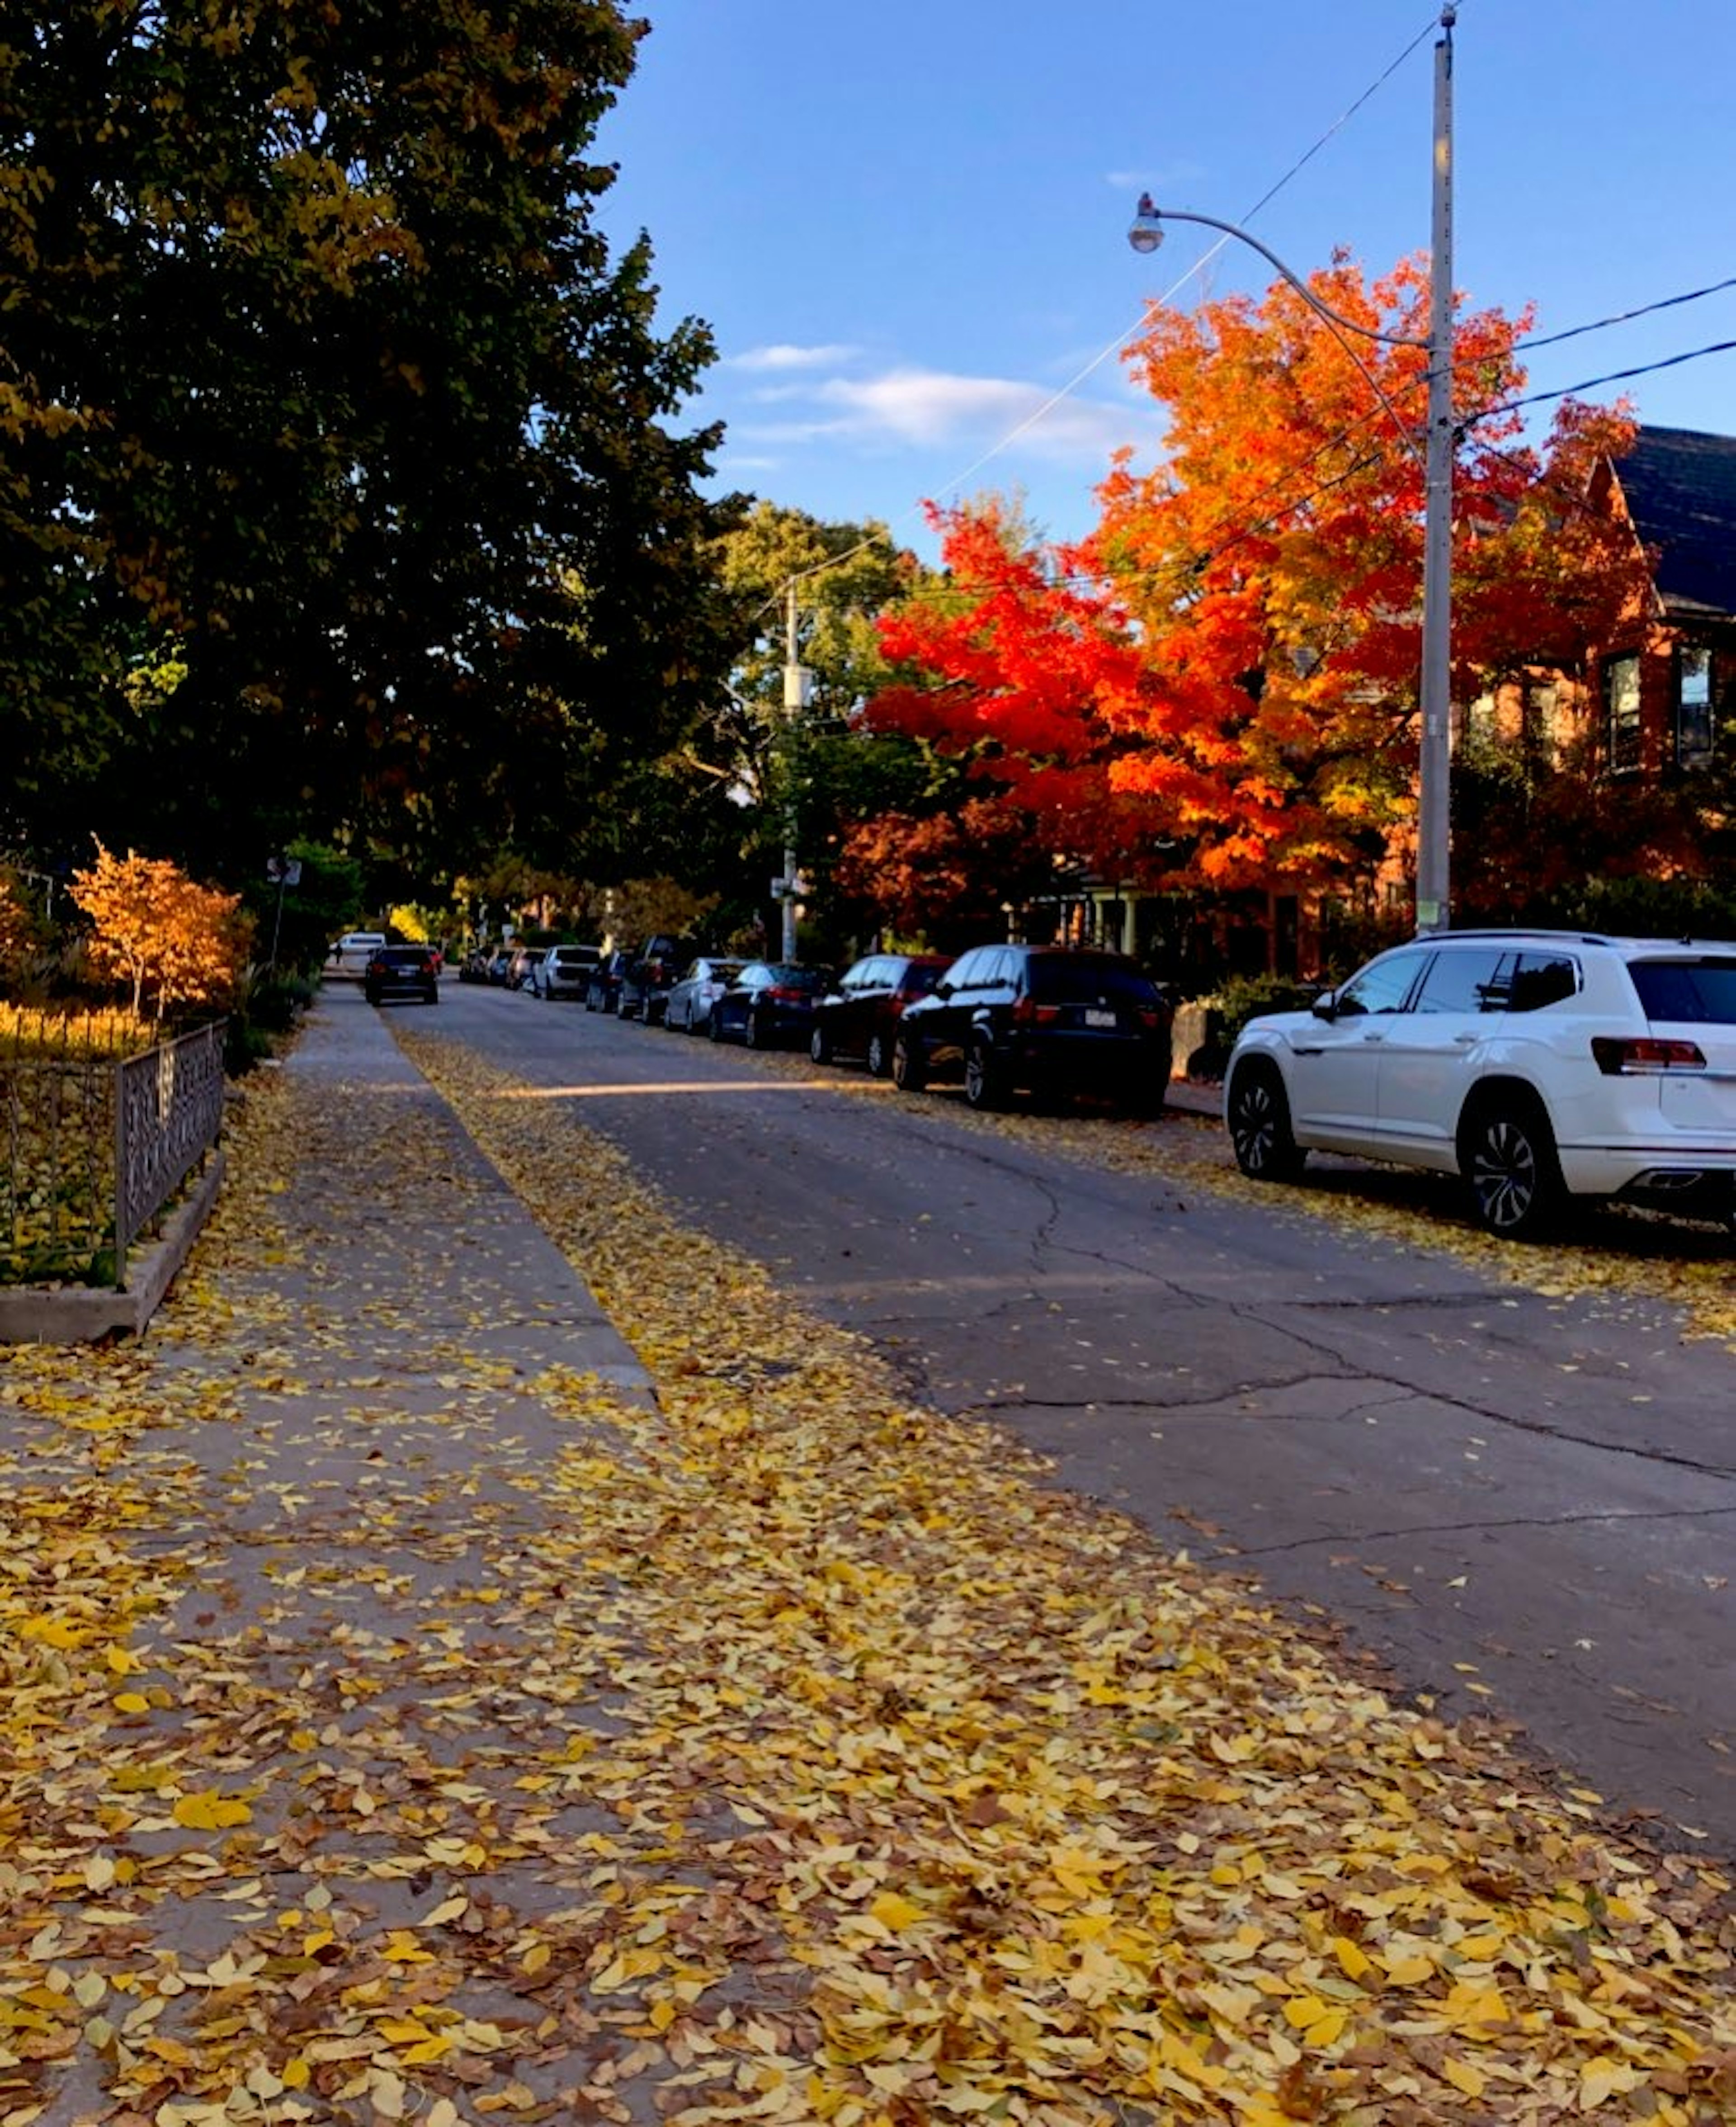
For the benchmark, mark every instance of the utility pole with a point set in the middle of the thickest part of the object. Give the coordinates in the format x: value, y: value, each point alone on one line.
x: 1434, y: 760
x: 797, y: 682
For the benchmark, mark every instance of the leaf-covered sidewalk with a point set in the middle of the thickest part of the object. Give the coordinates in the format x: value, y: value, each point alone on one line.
x: 397, y: 1728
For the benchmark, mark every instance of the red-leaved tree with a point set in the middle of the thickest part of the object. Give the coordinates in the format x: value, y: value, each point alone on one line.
x: 1219, y: 688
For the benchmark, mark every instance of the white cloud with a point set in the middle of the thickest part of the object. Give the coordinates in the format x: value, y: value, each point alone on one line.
x: 937, y: 409
x: 785, y: 357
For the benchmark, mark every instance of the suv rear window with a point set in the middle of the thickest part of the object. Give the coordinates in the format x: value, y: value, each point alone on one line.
x: 1076, y: 978
x: 1702, y: 991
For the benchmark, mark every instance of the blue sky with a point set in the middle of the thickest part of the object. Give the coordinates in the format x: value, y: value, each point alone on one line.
x: 906, y: 224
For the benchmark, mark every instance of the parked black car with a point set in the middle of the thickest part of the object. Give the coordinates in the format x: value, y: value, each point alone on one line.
x: 650, y: 975
x: 402, y: 971
x: 860, y: 1016
x: 1052, y: 1020
x: 602, y: 993
x: 770, y: 1002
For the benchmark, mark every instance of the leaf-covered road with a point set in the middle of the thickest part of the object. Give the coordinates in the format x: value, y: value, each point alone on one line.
x: 403, y: 1724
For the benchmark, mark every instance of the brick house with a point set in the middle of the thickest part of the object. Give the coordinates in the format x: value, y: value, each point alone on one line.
x: 1662, y: 687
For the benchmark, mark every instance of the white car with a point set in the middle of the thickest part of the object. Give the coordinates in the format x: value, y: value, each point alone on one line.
x: 1539, y: 1065
x: 355, y: 947
x: 565, y: 971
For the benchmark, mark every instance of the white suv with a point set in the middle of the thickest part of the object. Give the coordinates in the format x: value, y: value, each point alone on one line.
x: 1540, y: 1065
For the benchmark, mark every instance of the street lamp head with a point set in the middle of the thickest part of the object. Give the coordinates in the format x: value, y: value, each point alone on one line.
x: 1146, y: 232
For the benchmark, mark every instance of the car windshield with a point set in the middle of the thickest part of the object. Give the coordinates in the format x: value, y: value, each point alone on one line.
x: 1698, y: 992
x: 918, y: 981
x: 1082, y: 978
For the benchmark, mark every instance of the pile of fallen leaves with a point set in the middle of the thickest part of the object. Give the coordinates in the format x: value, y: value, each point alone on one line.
x: 398, y: 1729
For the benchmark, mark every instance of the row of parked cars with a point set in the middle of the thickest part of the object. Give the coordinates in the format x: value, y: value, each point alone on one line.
x: 1541, y: 1068
x: 1050, y: 1021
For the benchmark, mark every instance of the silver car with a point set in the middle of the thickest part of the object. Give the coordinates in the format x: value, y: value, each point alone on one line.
x: 702, y: 982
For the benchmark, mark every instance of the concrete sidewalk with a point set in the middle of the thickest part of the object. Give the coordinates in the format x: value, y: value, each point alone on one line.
x: 310, y: 1660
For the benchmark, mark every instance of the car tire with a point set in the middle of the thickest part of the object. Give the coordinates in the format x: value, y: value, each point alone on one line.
x: 714, y: 1024
x: 1507, y: 1154
x: 910, y: 1067
x: 1149, y: 1100
x: 372, y: 996
x: 879, y: 1060
x: 820, y: 1045
x: 753, y: 1032
x: 985, y: 1079
x: 1258, y: 1113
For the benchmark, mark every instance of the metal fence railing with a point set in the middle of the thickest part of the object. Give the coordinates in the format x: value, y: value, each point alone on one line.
x: 93, y: 1145
x: 168, y: 1109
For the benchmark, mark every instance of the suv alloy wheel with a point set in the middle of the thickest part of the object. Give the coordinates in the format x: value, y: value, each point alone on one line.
x: 1508, y: 1157
x: 1260, y: 1125
x: 910, y: 1069
x: 985, y: 1083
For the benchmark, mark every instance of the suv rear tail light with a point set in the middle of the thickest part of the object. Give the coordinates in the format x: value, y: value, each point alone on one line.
x: 1028, y: 1013
x: 1149, y: 1016
x: 1643, y: 1056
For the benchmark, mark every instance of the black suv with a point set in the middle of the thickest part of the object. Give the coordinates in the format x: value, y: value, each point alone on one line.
x: 603, y: 992
x: 1055, y: 1019
x: 651, y: 974
x: 402, y: 971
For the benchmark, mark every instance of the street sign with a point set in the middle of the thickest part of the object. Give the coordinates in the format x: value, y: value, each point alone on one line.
x: 283, y: 871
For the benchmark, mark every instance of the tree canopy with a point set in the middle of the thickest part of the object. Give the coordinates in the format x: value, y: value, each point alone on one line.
x: 340, y: 475
x: 1218, y: 689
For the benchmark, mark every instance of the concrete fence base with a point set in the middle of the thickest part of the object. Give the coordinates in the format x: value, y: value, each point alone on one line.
x: 81, y: 1314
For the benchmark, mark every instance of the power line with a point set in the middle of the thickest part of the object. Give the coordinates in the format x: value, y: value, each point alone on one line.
x: 1594, y: 383
x: 1626, y: 317
x: 1120, y: 340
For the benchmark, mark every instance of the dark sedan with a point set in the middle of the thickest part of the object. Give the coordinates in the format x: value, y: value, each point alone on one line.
x: 860, y: 1017
x: 770, y: 1002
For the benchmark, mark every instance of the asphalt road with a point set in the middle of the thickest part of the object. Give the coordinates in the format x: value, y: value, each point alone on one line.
x: 1523, y: 1507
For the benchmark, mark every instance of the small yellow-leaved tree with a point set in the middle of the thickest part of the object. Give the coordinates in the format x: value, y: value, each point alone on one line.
x: 180, y: 942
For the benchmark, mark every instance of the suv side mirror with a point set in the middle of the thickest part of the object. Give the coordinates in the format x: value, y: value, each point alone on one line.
x: 1325, y: 1005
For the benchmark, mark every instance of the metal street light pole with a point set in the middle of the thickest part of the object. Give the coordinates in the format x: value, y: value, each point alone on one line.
x: 798, y: 681
x: 1434, y: 768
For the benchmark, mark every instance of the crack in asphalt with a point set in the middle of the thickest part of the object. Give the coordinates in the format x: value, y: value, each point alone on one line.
x: 1391, y: 1394
x: 1483, y: 1528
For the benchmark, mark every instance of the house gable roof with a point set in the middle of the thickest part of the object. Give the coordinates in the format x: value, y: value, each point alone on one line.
x: 1680, y: 488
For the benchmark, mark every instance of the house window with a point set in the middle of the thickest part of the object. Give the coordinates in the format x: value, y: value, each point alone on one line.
x: 1695, y: 729
x: 1621, y: 713
x: 1542, y: 715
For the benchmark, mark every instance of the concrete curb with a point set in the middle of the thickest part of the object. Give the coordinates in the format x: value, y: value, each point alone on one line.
x: 80, y: 1313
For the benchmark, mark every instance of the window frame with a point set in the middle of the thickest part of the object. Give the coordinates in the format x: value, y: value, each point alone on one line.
x: 1623, y: 740
x: 1705, y: 752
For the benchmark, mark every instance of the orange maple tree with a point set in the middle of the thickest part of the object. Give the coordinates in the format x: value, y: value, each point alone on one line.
x: 160, y: 930
x: 1219, y: 686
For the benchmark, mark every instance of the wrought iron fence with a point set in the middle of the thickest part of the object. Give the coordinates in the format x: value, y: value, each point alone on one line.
x: 93, y: 1143
x: 168, y: 1109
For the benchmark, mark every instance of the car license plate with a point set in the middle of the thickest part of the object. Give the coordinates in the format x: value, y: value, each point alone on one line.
x: 1094, y: 1017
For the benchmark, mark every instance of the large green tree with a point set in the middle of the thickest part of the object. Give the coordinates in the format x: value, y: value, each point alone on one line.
x: 341, y: 477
